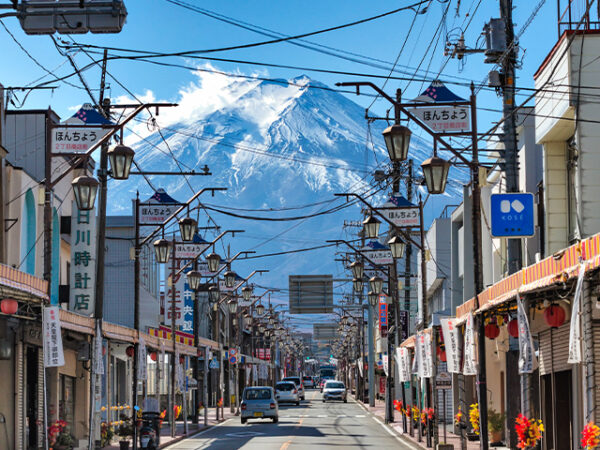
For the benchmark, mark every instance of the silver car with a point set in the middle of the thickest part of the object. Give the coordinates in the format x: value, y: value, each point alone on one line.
x: 298, y: 382
x: 334, y: 390
x: 259, y: 402
x: 286, y: 391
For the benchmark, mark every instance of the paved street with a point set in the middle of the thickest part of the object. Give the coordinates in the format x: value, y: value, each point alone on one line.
x: 313, y: 424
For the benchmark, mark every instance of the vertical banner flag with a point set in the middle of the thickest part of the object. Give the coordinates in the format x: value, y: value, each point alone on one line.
x: 83, y: 261
x: 450, y: 333
x: 469, y: 364
x: 98, y: 368
x: 415, y: 361
x: 575, y: 331
x: 53, y: 348
x: 359, y: 363
x: 142, y: 363
x: 384, y: 357
x: 403, y: 361
x: 428, y: 366
x: 178, y: 372
x: 526, y: 352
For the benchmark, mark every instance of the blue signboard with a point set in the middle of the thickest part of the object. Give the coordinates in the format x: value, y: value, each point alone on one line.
x: 513, y: 215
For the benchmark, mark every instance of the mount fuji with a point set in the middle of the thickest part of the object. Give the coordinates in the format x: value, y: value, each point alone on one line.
x: 282, y: 148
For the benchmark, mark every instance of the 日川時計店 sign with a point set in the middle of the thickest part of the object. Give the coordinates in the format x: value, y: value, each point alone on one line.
x: 83, y: 261
x: 444, y: 118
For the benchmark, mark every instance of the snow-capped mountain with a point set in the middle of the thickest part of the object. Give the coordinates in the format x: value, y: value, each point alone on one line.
x: 276, y: 146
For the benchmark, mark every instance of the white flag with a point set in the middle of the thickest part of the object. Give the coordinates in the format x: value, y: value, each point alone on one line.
x: 428, y: 352
x: 53, y: 348
x: 359, y: 363
x: 415, y: 361
x: 178, y: 372
x: 527, y: 359
x: 98, y: 368
x: 450, y: 333
x: 575, y: 331
x: 142, y: 370
x: 469, y: 366
x: 403, y: 362
x: 384, y: 357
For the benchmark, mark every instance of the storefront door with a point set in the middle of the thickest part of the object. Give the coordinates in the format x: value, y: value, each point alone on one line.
x: 557, y: 411
x: 32, y: 386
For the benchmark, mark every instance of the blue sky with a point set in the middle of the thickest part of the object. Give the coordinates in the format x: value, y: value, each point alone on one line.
x: 158, y: 25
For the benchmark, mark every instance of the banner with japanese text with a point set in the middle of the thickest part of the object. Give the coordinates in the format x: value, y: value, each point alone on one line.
x: 469, y: 365
x: 575, y: 330
x: 403, y: 362
x: 142, y: 363
x: 451, y: 344
x: 83, y: 261
x: 527, y: 359
x: 53, y: 347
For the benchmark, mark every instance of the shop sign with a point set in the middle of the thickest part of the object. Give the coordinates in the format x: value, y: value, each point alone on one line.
x: 383, y: 315
x: 443, y: 381
x: 190, y: 250
x: 184, y: 305
x: 444, y: 119
x: 400, y: 212
x: 80, y: 132
x: 53, y: 348
x: 157, y: 208
x: 83, y: 261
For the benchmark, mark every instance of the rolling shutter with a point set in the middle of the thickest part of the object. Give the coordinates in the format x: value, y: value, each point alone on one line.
x: 554, y: 349
x: 20, y: 396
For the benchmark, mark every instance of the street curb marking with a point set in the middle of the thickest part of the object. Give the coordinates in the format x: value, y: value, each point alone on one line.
x: 167, y: 445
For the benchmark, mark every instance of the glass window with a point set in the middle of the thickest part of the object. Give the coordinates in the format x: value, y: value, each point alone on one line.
x: 334, y: 385
x: 257, y: 394
x: 284, y: 386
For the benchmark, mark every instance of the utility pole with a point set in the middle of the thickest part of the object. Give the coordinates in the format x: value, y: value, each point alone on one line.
x: 173, y: 336
x: 136, y: 311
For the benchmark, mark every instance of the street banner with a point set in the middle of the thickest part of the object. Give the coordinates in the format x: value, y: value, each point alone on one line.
x: 384, y: 357
x: 262, y: 372
x: 378, y: 253
x: 527, y: 359
x: 469, y: 366
x: 403, y: 361
x: 184, y: 304
x: 383, y: 315
x: 451, y: 342
x: 575, y: 331
x: 178, y: 372
x: 428, y: 354
x: 189, y: 250
x: 79, y: 132
x: 157, y: 208
x: 83, y: 261
x: 142, y: 363
x: 415, y: 362
x: 254, y: 373
x: 53, y: 348
x: 98, y: 366
x: 359, y: 363
x: 400, y: 212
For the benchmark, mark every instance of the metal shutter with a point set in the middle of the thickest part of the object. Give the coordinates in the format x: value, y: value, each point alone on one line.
x: 41, y: 402
x: 596, y: 334
x: 554, y: 349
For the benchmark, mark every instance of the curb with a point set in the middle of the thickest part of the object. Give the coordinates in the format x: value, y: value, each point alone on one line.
x: 389, y: 428
x: 189, y: 436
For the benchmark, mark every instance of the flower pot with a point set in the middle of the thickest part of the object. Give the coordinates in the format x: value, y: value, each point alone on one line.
x: 495, y: 437
x: 124, y: 445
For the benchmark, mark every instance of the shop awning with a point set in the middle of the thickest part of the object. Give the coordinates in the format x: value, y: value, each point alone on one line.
x: 21, y: 286
x: 558, y: 268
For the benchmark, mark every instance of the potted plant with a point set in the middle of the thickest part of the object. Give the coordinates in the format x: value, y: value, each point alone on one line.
x: 495, y: 426
x: 59, y: 436
x: 125, y: 431
x: 106, y: 434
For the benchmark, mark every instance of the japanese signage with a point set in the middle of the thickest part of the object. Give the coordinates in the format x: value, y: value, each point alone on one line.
x: 184, y: 305
x: 403, y: 361
x: 53, y: 348
x: 403, y: 323
x: 443, y: 380
x: 79, y: 139
x: 178, y: 372
x: 190, y: 250
x: 83, y: 261
x: 425, y: 355
x: 383, y: 319
x: 575, y: 330
x: 384, y: 358
x: 378, y: 253
x: 444, y: 118
x: 526, y: 351
x: 156, y: 213
x: 450, y: 333
x: 469, y: 363
x: 98, y: 365
x: 263, y: 353
x: 142, y: 367
x: 400, y: 211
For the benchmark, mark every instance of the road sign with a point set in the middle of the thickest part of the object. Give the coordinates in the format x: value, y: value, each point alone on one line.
x: 443, y: 380
x: 400, y: 211
x: 232, y: 360
x: 213, y: 364
x: 512, y: 215
x: 378, y: 253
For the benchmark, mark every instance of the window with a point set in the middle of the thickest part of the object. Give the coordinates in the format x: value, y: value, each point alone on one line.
x: 257, y: 394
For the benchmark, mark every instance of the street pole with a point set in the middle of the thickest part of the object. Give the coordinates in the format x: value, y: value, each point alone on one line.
x: 136, y: 312
x: 196, y: 362
x: 370, y: 319
x: 173, y: 336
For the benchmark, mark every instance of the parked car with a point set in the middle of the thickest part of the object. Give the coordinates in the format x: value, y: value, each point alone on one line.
x: 286, y: 391
x: 308, y: 382
x: 259, y: 402
x: 335, y: 390
x: 298, y: 382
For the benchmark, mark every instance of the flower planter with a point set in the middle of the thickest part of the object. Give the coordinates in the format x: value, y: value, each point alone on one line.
x: 445, y: 447
x: 124, y: 445
x: 472, y: 437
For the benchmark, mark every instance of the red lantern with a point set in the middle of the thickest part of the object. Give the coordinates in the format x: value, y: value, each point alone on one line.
x: 513, y: 328
x: 9, y: 306
x: 555, y: 316
x: 103, y: 350
x: 153, y: 356
x: 130, y: 351
x: 442, y: 355
x: 492, y: 331
x: 181, y: 359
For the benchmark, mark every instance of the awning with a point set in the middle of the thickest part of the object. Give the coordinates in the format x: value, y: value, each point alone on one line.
x: 411, y: 340
x: 21, y: 286
x: 553, y: 270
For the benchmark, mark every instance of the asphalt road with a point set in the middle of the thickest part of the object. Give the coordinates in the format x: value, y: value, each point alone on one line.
x: 312, y: 425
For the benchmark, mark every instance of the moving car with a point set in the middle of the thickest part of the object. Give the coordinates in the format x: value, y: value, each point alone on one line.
x: 298, y: 382
x: 334, y: 390
x: 259, y: 402
x: 286, y: 391
x: 308, y: 382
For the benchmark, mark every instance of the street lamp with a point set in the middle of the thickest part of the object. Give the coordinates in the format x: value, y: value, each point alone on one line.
x: 261, y: 328
x: 247, y: 320
x: 357, y: 284
x: 193, y: 278
x: 162, y: 248
x: 376, y: 285
x: 213, y: 260
x: 233, y: 305
x: 358, y: 269
x: 84, y: 190
x: 230, y: 277
x: 371, y: 227
x: 247, y: 292
x: 372, y: 298
x: 260, y: 309
x: 187, y: 229
x: 213, y: 294
x: 120, y: 158
x: 397, y: 140
x: 435, y: 171
x: 397, y: 247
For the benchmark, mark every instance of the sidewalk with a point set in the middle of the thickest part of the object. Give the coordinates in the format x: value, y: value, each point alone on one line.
x: 165, y: 432
x: 379, y: 411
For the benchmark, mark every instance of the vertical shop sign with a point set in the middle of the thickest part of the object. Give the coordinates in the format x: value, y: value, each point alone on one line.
x: 83, y: 261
